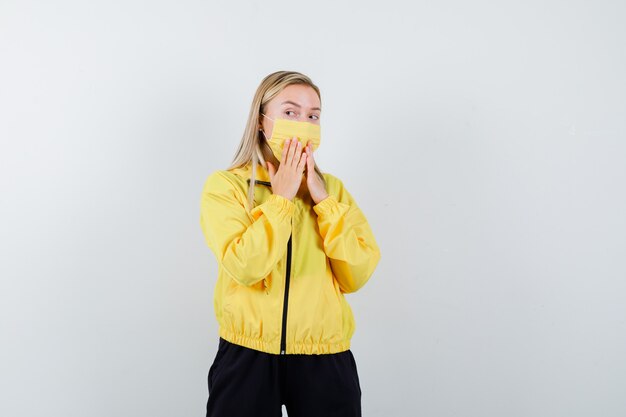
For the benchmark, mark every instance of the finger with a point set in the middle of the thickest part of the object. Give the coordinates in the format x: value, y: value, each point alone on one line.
x: 296, y: 151
x: 294, y: 147
x: 303, y: 162
x: 271, y: 170
x: 287, y: 148
x: 306, y: 152
x: 309, y: 151
x: 299, y: 151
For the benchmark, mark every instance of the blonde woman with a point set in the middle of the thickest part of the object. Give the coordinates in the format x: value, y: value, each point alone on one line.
x: 289, y: 241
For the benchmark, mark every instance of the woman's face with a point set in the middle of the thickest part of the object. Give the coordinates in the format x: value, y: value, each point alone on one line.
x: 295, y: 102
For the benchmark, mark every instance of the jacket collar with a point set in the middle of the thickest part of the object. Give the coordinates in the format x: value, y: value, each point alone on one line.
x: 262, y: 175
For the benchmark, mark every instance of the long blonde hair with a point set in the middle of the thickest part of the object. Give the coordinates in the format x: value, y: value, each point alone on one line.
x: 253, y: 146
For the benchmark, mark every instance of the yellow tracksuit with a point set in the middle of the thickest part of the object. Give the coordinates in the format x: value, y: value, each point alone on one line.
x: 283, y: 267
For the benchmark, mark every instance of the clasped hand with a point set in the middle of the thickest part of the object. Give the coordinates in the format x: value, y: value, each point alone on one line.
x: 287, y: 179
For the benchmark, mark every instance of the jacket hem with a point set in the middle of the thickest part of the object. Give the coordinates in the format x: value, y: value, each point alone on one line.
x: 292, y: 348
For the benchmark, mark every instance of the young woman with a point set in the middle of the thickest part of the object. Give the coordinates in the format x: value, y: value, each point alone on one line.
x: 289, y: 241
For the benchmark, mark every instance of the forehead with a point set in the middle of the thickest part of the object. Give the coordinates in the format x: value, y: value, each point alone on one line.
x: 300, y: 94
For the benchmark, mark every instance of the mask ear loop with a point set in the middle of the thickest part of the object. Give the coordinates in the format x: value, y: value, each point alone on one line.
x: 266, y: 141
x: 264, y: 135
x: 261, y: 130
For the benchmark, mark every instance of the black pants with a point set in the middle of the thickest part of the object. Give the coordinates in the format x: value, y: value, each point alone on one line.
x: 246, y: 382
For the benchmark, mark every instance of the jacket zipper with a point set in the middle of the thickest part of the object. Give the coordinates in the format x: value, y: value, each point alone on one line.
x: 283, y: 336
x: 283, y: 339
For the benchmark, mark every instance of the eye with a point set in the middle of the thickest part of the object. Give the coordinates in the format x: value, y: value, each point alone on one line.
x: 290, y: 111
x: 315, y: 117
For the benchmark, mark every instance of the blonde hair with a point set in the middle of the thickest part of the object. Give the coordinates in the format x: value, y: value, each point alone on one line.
x: 253, y: 146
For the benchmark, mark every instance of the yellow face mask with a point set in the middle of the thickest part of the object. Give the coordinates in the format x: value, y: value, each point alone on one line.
x: 284, y: 129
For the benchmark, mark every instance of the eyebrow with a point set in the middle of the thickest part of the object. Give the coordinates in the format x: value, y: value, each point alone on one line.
x: 297, y: 105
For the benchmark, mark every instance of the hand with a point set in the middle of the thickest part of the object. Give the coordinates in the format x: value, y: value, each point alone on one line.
x: 286, y: 181
x: 313, y: 182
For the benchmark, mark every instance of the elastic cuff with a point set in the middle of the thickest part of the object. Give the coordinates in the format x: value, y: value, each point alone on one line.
x: 283, y: 206
x: 329, y: 205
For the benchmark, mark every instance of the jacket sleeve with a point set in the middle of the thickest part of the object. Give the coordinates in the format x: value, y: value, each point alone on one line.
x: 348, y: 239
x: 246, y: 246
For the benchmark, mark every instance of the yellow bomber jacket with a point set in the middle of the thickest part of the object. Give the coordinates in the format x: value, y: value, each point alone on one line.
x: 284, y: 266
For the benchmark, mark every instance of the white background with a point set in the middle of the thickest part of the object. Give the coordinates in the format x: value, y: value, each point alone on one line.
x: 484, y: 141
